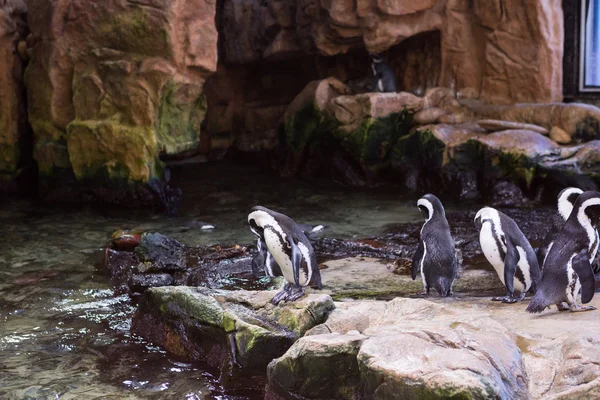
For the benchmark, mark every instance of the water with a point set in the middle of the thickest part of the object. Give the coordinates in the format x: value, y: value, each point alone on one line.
x: 65, y: 334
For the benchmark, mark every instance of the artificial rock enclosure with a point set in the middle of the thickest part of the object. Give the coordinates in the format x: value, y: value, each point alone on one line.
x: 95, y: 96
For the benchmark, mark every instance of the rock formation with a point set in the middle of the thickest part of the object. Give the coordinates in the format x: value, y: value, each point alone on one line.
x: 13, y: 118
x: 114, y: 85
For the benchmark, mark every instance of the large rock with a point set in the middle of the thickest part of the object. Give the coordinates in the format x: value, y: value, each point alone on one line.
x: 113, y: 85
x: 463, y: 159
x: 237, y: 332
x: 13, y: 120
x: 463, y: 348
x: 581, y: 122
x: 405, y: 349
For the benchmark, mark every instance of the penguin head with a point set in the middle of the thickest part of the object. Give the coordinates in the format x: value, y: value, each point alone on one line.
x: 259, y: 217
x: 430, y: 205
x: 566, y: 200
x: 481, y: 215
x: 587, y: 209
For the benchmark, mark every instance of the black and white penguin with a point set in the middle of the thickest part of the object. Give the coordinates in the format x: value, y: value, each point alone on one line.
x: 383, y: 76
x: 263, y: 260
x: 292, y: 252
x: 436, y: 256
x: 509, y: 252
x: 566, y: 199
x: 568, y: 269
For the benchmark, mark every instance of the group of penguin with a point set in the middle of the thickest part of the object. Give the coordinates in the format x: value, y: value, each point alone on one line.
x: 561, y: 269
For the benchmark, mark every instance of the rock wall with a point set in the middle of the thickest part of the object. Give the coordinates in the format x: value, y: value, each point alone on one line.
x: 114, y: 84
x: 13, y: 119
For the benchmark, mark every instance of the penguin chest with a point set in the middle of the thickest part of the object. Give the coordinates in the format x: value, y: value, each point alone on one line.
x: 278, y: 247
x: 573, y: 282
x: 491, y: 250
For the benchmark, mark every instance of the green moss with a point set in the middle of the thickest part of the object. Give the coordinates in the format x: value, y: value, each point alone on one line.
x: 306, y: 126
x: 113, y: 152
x: 178, y: 124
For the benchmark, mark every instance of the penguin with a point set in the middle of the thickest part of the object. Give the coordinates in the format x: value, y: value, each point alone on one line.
x: 509, y: 252
x: 568, y: 269
x: 383, y: 76
x: 290, y: 250
x: 264, y: 260
x: 436, y: 255
x: 566, y: 199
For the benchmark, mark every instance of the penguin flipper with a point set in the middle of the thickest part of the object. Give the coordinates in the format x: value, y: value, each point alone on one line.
x: 259, y: 259
x: 583, y: 269
x: 510, y: 267
x: 296, y: 261
x: 417, y: 260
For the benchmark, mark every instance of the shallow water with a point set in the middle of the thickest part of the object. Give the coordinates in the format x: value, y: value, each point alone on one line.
x: 65, y: 334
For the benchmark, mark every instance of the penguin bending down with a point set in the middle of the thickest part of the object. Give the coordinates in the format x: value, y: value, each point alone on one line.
x: 286, y: 252
x: 383, y: 76
x: 264, y: 260
x: 436, y: 256
x: 567, y: 268
x: 566, y: 199
x: 509, y: 252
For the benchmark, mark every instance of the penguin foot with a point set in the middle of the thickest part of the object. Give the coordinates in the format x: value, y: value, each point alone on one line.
x: 295, y: 293
x: 578, y: 308
x: 509, y: 298
x: 562, y: 306
x: 283, y: 294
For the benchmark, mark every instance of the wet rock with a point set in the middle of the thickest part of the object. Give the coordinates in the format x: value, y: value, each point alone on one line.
x: 126, y: 239
x: 494, y: 125
x: 405, y: 348
x: 237, y: 332
x: 161, y: 253
x: 159, y: 260
x: 506, y: 194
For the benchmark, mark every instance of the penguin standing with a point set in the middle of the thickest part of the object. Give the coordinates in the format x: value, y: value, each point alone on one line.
x: 383, y: 76
x: 568, y: 269
x: 509, y: 252
x: 566, y: 199
x: 290, y: 250
x: 436, y: 256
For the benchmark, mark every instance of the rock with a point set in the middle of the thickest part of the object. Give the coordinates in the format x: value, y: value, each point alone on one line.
x: 361, y: 278
x: 158, y: 260
x: 581, y: 122
x: 428, y: 116
x: 493, y: 125
x: 126, y: 239
x: 507, y: 194
x: 433, y: 97
x: 13, y: 119
x: 559, y: 135
x: 236, y: 332
x: 409, y: 348
x: 112, y: 86
x: 405, y: 348
x: 454, y: 118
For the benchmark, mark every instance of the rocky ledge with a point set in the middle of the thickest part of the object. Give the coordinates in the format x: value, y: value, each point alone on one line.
x: 462, y: 348
x: 235, y: 332
x: 439, y: 141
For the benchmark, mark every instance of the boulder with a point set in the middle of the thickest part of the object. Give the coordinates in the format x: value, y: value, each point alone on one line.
x: 581, y: 122
x: 406, y: 348
x: 13, y: 120
x: 559, y: 135
x: 112, y: 86
x: 494, y: 125
x: 236, y: 332
x: 441, y: 348
x: 428, y: 116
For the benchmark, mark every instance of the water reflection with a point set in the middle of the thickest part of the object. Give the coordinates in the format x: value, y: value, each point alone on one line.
x: 65, y: 334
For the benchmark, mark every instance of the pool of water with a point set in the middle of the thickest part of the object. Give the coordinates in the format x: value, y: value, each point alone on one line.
x: 65, y: 334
